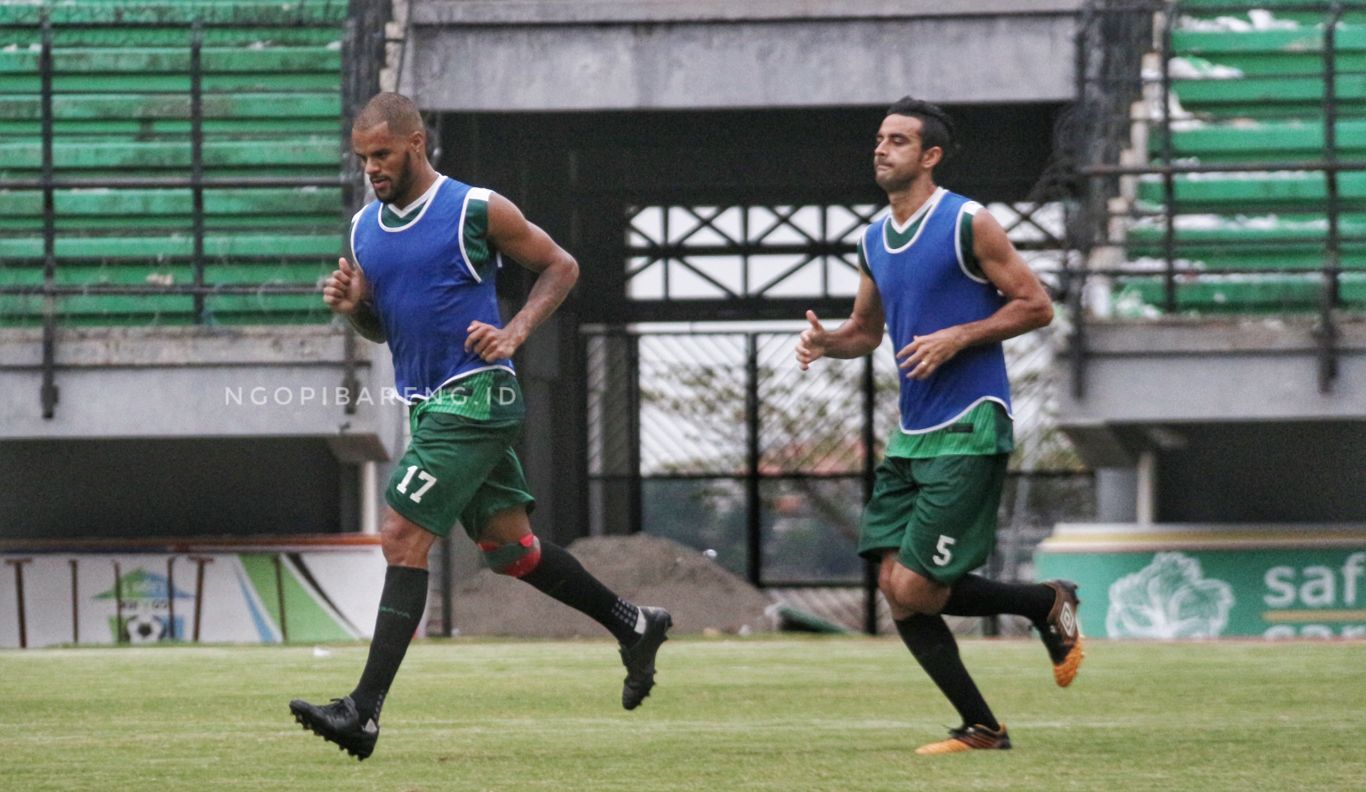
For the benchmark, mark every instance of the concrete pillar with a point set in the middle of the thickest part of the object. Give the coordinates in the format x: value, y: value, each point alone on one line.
x: 1116, y: 494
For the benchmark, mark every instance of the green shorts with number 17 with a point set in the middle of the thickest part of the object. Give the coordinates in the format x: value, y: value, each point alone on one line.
x: 938, y: 513
x: 458, y: 467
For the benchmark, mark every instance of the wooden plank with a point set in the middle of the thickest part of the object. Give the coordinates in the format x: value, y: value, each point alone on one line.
x: 77, y: 37
x: 1264, y: 141
x: 161, y: 106
x: 223, y: 245
x: 273, y: 200
x: 1264, y: 90
x: 143, y: 129
x: 1308, y: 190
x: 154, y: 274
x: 171, y: 83
x: 246, y: 13
x: 1262, y: 294
x: 172, y: 60
x: 166, y: 224
x: 322, y: 151
x: 1210, y: 43
x: 1280, y: 64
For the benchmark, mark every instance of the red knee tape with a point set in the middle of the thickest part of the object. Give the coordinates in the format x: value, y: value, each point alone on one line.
x: 514, y: 559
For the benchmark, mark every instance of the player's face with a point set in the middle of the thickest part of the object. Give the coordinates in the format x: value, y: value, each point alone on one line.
x: 388, y: 160
x: 899, y: 158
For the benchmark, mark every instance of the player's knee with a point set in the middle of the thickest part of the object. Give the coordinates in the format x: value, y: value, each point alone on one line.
x: 884, y: 581
x: 910, y: 598
x: 514, y: 559
x: 403, y: 543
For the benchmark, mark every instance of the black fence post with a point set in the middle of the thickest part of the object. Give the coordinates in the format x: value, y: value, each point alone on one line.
x: 870, y: 568
x: 118, y: 604
x: 75, y: 603
x: 48, y: 393
x: 170, y: 598
x: 200, y: 562
x: 280, y: 597
x: 18, y: 564
x: 197, y: 160
x: 754, y: 562
x: 1168, y: 178
x: 1326, y: 332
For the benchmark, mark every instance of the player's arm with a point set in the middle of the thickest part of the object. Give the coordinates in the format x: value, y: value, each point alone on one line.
x: 1027, y: 305
x: 346, y: 292
x: 859, y: 335
x: 523, y: 241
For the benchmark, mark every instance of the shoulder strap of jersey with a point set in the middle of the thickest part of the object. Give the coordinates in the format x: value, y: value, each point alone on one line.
x: 474, y: 230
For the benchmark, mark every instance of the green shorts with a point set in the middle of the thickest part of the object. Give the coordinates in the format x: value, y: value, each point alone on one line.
x: 940, y: 513
x: 458, y: 468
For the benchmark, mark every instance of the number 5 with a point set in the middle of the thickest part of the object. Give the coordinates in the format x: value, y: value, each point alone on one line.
x: 944, y: 555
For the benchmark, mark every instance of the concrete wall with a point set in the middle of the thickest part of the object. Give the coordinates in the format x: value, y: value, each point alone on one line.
x: 187, y: 431
x: 1221, y: 421
x: 594, y: 55
x: 197, y: 382
x: 1213, y: 370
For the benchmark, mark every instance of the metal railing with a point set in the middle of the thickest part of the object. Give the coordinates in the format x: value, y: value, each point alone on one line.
x: 362, y: 57
x: 1112, y: 38
x: 722, y: 423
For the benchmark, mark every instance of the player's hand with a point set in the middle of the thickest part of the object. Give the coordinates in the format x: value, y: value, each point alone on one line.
x: 345, y: 288
x: 491, y: 343
x: 925, y: 354
x: 811, y: 345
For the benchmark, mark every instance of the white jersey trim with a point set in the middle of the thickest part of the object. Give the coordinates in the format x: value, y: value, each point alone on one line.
x: 956, y: 418
x: 355, y: 223
x: 926, y: 210
x: 459, y: 377
x: 427, y: 199
x: 474, y: 194
x: 969, y: 210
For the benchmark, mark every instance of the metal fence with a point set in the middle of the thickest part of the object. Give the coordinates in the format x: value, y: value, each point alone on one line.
x: 717, y: 440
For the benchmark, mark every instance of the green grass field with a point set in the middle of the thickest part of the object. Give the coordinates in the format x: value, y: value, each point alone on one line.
x: 757, y: 714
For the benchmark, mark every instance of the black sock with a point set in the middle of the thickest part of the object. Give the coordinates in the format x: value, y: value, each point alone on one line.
x: 560, y: 575
x: 974, y: 595
x: 400, y: 611
x: 933, y: 645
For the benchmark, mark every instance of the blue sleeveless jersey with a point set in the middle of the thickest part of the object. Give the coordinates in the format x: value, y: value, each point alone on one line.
x: 925, y: 286
x: 428, y: 281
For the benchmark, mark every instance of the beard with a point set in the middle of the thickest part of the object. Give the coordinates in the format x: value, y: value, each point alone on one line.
x: 890, y: 181
x: 400, y: 183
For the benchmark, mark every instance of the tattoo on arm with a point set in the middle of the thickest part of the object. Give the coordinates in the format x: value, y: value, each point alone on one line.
x: 366, y: 321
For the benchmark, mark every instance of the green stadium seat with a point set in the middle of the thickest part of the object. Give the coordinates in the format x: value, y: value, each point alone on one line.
x: 271, y: 107
x: 1251, y: 95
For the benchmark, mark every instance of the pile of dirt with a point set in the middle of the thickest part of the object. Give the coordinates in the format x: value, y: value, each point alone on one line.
x: 648, y: 570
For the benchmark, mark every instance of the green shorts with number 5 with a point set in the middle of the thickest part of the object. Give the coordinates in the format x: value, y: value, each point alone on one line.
x: 458, y: 469
x: 939, y: 513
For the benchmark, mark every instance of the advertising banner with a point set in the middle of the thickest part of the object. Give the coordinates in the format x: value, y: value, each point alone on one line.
x: 262, y: 595
x: 1210, y: 581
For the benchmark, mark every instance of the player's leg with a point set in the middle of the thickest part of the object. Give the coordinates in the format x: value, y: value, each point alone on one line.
x: 949, y: 529
x: 1051, y: 606
x: 401, y: 603
x: 352, y: 722
x: 510, y: 548
x: 433, y: 481
x: 497, y: 518
x: 914, y: 600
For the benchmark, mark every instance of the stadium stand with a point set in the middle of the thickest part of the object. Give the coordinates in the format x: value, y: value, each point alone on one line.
x: 1259, y: 217
x: 148, y: 226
